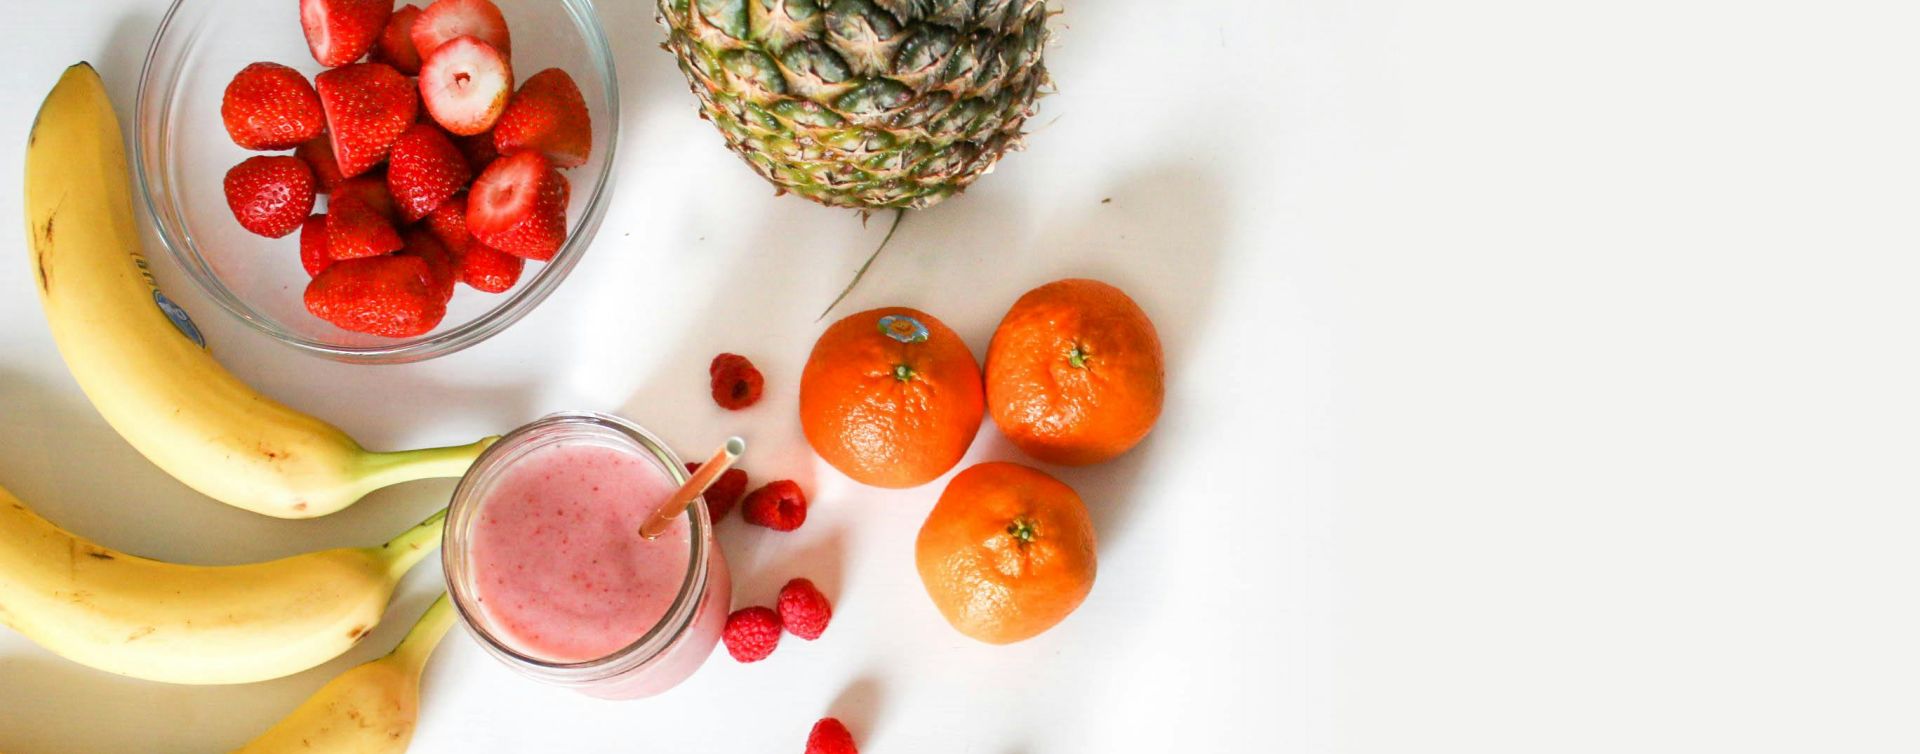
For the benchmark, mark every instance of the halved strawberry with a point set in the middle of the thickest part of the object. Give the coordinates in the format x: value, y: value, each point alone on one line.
x: 318, y: 154
x: 340, y: 31
x: 368, y: 106
x: 440, y: 264
x: 446, y: 20
x: 269, y: 106
x: 313, y: 245
x: 270, y: 196
x: 519, y: 206
x: 395, y: 45
x: 424, y: 170
x: 355, y: 230
x: 466, y: 83
x: 372, y: 189
x: 485, y: 268
x: 386, y: 295
x: 547, y: 114
x: 448, y: 222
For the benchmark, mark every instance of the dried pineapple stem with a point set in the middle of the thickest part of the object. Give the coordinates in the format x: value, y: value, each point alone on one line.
x: 898, y: 215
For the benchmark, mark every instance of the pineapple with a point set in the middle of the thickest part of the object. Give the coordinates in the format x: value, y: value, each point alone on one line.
x: 870, y: 104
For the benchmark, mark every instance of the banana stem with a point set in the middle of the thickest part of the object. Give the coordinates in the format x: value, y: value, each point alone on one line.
x: 414, y: 650
x: 386, y: 469
x: 402, y: 553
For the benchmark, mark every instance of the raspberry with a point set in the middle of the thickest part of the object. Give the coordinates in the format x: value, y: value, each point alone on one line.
x: 829, y: 736
x: 736, y: 384
x: 804, y: 610
x: 780, y: 506
x: 725, y: 492
x: 752, y: 633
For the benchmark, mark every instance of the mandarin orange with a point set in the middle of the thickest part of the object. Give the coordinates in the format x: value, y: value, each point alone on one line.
x: 891, y: 397
x: 1007, y: 553
x: 1075, y: 373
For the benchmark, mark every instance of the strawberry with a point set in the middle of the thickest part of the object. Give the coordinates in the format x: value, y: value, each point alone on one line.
x: 547, y: 114
x: 269, y: 106
x: 318, y: 154
x: 313, y: 245
x: 446, y: 20
x: 355, y: 230
x: 385, y: 295
x: 485, y: 268
x: 270, y: 196
x: 440, y: 265
x: 519, y: 206
x: 449, y: 224
x: 368, y: 106
x: 466, y: 83
x: 395, y: 45
x: 424, y: 170
x: 340, y: 31
x: 372, y: 189
x: 479, y: 150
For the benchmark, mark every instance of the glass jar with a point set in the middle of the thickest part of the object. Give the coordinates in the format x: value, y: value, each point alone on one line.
x: 677, y: 643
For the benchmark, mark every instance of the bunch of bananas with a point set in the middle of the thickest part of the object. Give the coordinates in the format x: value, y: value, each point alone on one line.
x: 148, y: 372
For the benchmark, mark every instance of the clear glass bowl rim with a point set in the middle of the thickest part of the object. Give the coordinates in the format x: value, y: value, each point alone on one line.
x: 150, y: 121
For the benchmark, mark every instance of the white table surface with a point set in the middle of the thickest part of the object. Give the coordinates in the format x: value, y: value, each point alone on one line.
x: 1542, y: 378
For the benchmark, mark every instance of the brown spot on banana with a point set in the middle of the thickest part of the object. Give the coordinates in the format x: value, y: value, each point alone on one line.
x: 358, y: 632
x: 141, y: 632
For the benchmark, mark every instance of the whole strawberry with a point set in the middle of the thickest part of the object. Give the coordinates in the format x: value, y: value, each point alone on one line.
x: 318, y: 154
x: 340, y: 31
x: 422, y: 244
x: 519, y: 206
x: 449, y: 224
x: 314, y: 255
x: 269, y: 106
x: 395, y: 45
x: 368, y: 106
x: 488, y: 269
x: 548, y: 114
x: 270, y: 196
x: 424, y: 170
x: 389, y: 296
x: 357, y: 231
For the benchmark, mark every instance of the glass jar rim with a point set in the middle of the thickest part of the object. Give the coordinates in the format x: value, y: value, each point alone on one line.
x: 680, y: 614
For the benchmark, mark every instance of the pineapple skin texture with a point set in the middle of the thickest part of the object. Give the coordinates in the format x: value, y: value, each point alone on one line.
x: 869, y: 104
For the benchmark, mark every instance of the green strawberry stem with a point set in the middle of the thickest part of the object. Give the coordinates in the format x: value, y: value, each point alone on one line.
x: 898, y: 215
x: 404, y: 552
x: 386, y: 469
x: 414, y: 650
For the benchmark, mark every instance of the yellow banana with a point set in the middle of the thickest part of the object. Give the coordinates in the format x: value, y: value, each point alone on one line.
x: 370, y: 709
x: 140, y: 359
x: 194, y: 624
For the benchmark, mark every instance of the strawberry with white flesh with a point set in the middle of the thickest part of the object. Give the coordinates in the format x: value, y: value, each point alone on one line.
x: 519, y: 206
x: 341, y: 31
x: 314, y: 256
x: 447, y: 20
x: 424, y: 170
x: 389, y: 296
x: 550, y: 115
x: 368, y: 106
x: 395, y: 45
x: 465, y: 84
x: 270, y: 196
x: 268, y: 106
x: 355, y: 230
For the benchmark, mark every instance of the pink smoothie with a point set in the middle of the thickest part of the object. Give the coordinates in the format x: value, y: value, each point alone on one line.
x: 559, y: 570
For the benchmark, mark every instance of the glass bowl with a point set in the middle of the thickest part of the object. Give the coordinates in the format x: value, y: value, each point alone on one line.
x: 182, y: 153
